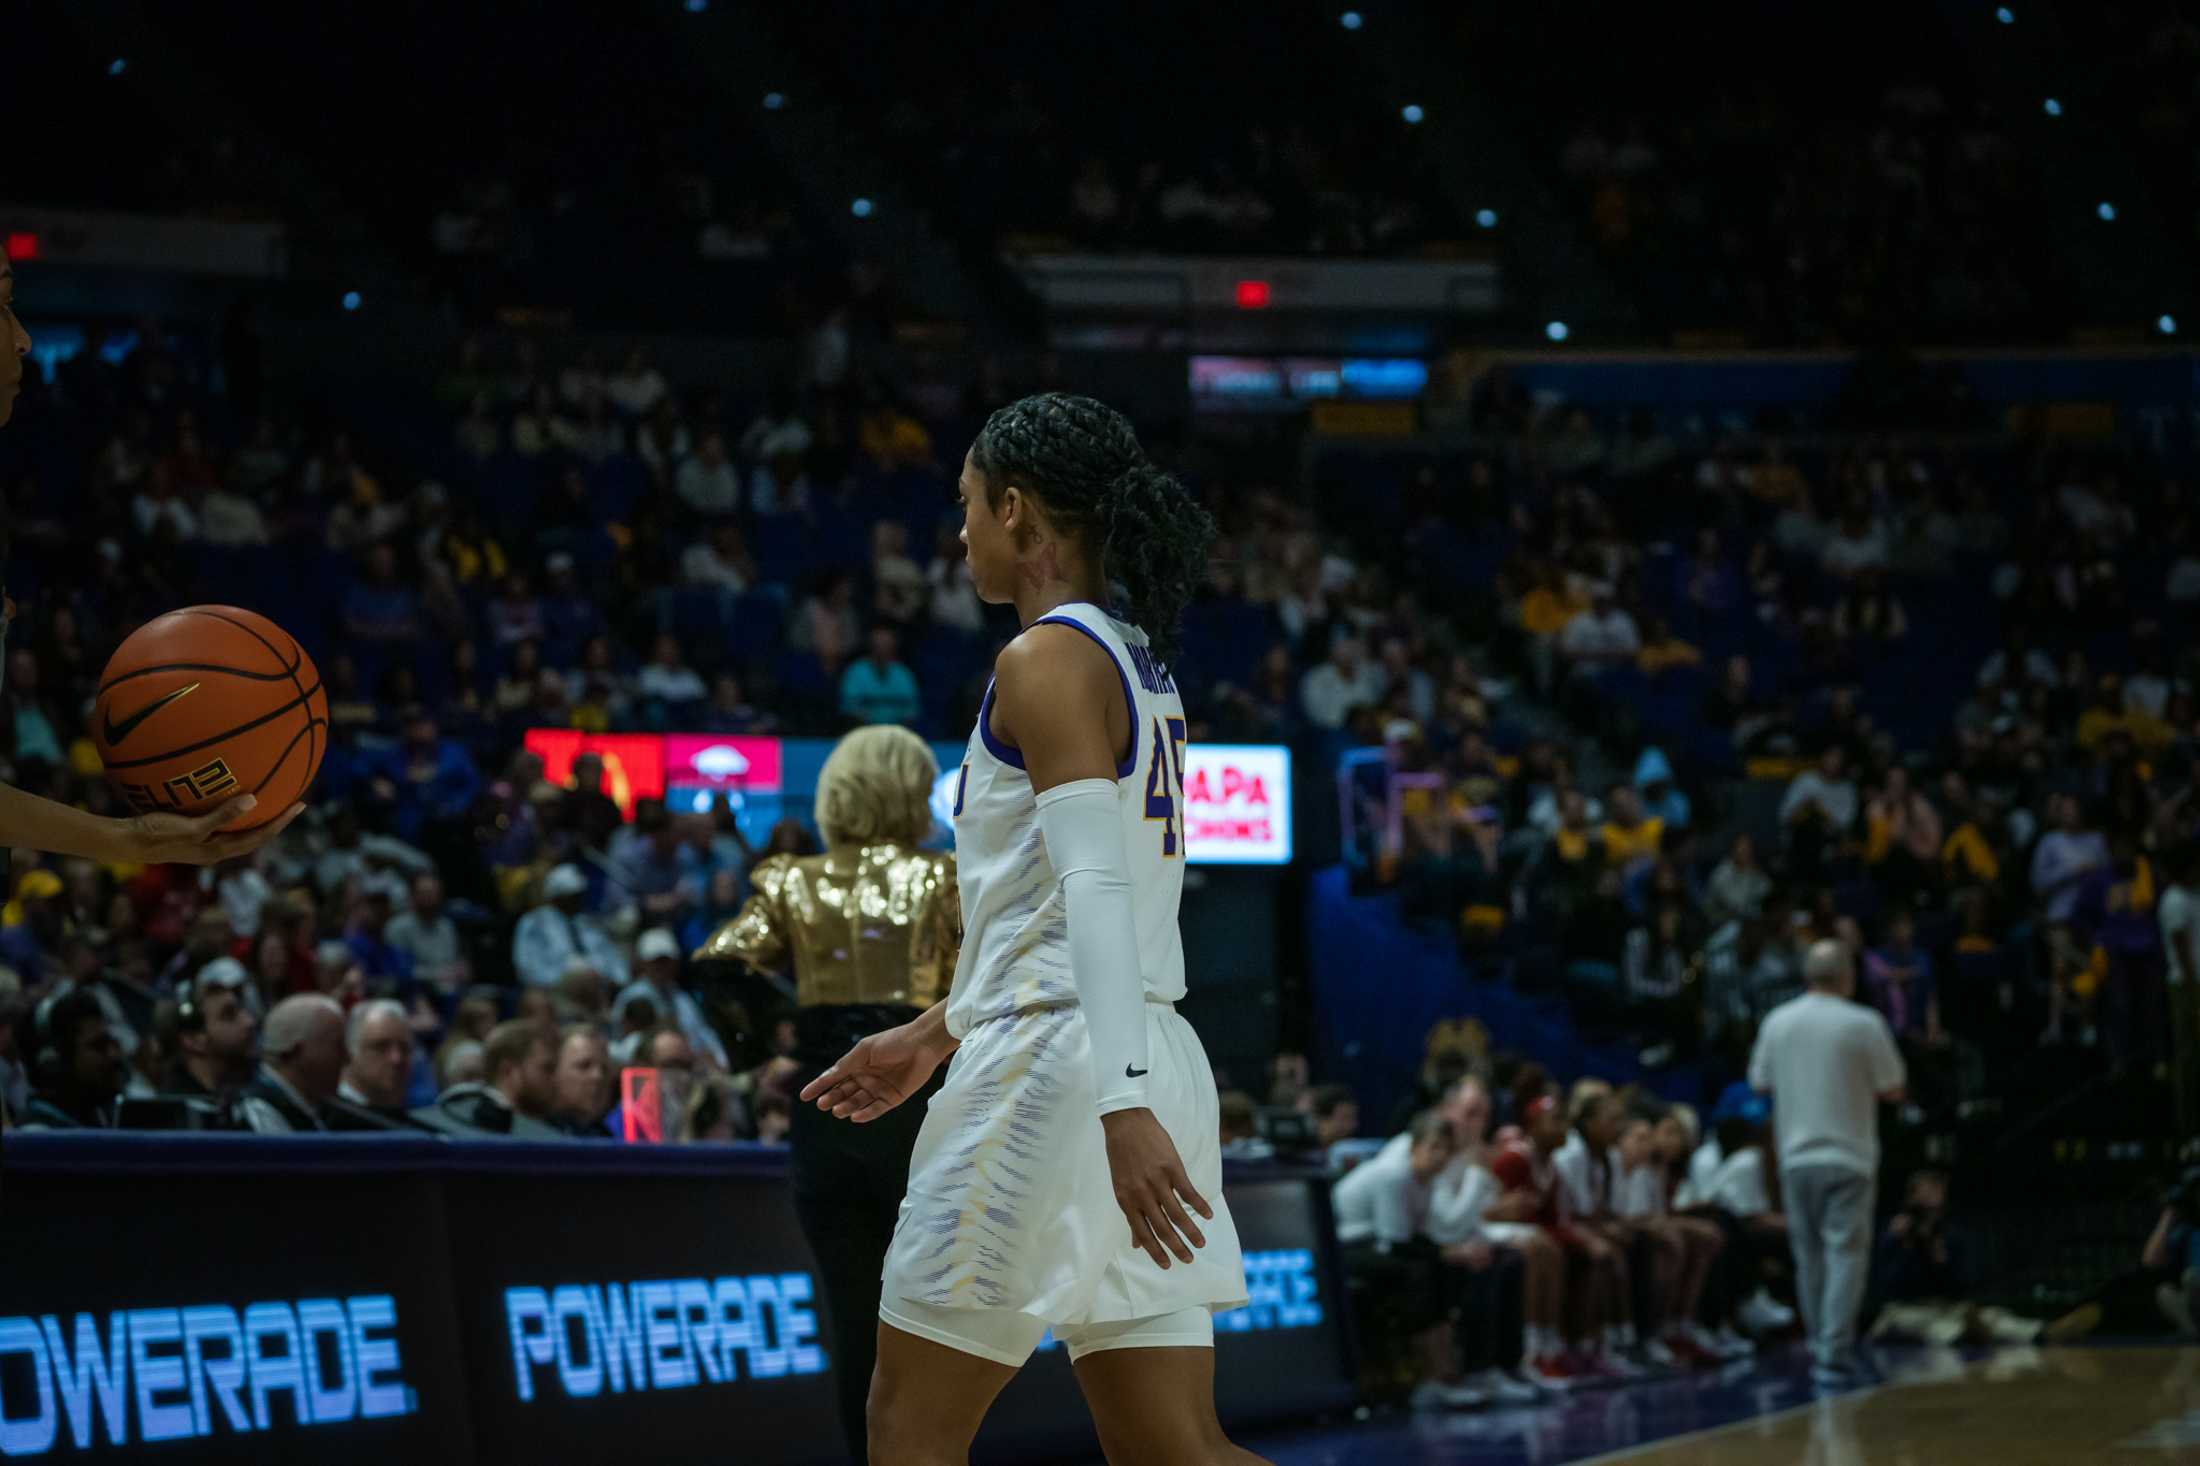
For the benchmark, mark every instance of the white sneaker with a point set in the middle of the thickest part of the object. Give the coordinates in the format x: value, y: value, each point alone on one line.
x: 1725, y: 1344
x: 1732, y: 1344
x: 1504, y: 1389
x: 1619, y: 1366
x: 1432, y: 1394
x: 1656, y: 1353
x: 1759, y: 1314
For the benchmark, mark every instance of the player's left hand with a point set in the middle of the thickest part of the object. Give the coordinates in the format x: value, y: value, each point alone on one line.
x: 1151, y: 1187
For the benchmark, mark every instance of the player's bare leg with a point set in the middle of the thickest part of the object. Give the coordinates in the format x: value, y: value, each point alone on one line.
x: 1156, y: 1407
x: 927, y: 1400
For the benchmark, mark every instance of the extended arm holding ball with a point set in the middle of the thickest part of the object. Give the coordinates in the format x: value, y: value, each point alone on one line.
x: 29, y: 822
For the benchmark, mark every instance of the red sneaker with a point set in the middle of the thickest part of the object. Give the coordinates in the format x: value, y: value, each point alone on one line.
x: 1690, y: 1354
x: 1553, y: 1372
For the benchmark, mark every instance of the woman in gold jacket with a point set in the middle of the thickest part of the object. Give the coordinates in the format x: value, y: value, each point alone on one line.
x: 870, y: 930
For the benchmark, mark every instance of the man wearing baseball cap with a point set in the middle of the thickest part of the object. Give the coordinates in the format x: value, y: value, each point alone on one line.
x: 549, y: 937
x: 658, y: 957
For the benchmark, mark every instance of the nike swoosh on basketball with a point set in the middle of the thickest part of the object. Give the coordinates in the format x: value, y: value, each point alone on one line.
x: 1130, y: 1073
x: 116, y: 732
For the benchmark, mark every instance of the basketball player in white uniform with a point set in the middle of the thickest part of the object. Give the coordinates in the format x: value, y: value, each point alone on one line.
x: 1068, y: 1174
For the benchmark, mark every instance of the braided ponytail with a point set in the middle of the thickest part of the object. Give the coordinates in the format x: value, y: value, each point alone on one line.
x: 1082, y: 460
x: 1155, y: 542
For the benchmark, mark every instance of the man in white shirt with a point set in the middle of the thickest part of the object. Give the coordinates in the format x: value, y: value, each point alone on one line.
x: 1346, y: 681
x: 549, y: 937
x: 1382, y: 1210
x: 2179, y: 913
x: 1599, y: 636
x: 1828, y: 1062
x: 658, y: 957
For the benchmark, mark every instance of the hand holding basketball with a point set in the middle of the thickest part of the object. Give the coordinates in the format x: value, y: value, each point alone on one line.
x: 202, y: 704
x: 198, y: 839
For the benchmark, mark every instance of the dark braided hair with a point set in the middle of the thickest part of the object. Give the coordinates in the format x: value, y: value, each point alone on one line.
x: 1081, y: 459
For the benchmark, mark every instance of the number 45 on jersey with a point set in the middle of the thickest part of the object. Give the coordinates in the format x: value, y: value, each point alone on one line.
x: 1164, y: 800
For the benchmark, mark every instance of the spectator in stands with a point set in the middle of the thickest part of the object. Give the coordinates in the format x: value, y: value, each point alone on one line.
x: 1336, y: 1114
x: 1240, y: 1128
x: 1381, y: 1209
x: 1601, y: 636
x: 589, y: 812
x: 2178, y: 913
x: 378, y: 1068
x: 1660, y: 794
x: 898, y: 587
x: 1899, y: 978
x: 1629, y: 836
x: 730, y: 712
x: 520, y: 1094
x: 774, y: 1118
x: 637, y: 387
x: 1819, y: 810
x: 1868, y: 613
x: 1654, y: 979
x: 77, y: 1068
x: 1664, y: 651
x: 954, y: 595
x: 550, y: 936
x: 1346, y: 681
x: 658, y: 954
x: 669, y: 687
x: 824, y: 625
x: 301, y: 1066
x: 460, y: 1063
x: 379, y: 609
x: 1857, y: 545
x: 880, y: 688
x: 657, y: 868
x: 1902, y: 839
x: 428, y: 939
x: 1738, y: 884
x: 2065, y: 857
x: 707, y: 482
x: 583, y: 1081
x: 570, y: 616
x: 723, y: 560
x: 1827, y: 1062
x: 217, y: 1032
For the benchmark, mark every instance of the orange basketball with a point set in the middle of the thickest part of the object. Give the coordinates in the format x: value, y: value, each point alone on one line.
x: 208, y: 701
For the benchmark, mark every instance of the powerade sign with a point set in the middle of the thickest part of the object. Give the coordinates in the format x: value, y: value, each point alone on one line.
x: 591, y: 1339
x: 1283, y: 1291
x: 149, y: 1375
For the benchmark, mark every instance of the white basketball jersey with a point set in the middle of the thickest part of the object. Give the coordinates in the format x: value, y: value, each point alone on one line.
x: 1015, y: 951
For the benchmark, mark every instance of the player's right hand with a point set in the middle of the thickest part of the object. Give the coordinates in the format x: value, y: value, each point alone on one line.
x: 877, y: 1074
x: 197, y: 839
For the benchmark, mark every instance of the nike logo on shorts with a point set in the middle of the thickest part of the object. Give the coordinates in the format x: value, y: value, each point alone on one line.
x: 1130, y: 1073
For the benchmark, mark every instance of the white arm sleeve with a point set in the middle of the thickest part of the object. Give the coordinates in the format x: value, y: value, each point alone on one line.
x: 1083, y: 828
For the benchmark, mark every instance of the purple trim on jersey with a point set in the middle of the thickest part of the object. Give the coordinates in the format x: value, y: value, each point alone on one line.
x: 1013, y: 757
x: 1128, y: 766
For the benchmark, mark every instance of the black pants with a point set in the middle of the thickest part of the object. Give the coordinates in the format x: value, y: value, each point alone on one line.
x: 848, y: 1184
x: 1491, y: 1313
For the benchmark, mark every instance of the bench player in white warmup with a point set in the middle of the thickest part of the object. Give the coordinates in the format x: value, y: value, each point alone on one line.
x: 1069, y: 1173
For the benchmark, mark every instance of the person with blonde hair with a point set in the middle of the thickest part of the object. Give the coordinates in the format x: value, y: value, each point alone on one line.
x: 870, y: 931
